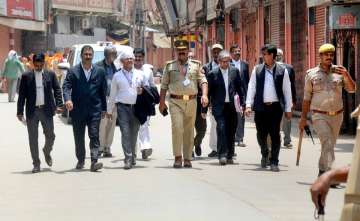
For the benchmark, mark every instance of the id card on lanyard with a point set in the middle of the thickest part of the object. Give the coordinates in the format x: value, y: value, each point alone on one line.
x: 186, y: 82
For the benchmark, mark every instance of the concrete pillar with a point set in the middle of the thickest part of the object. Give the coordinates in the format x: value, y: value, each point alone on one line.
x: 260, y: 28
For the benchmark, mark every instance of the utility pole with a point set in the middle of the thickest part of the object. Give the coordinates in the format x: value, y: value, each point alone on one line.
x: 138, y: 24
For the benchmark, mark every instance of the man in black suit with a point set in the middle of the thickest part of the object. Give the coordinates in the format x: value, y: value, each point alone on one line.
x: 224, y: 83
x: 40, y: 91
x: 243, y: 68
x: 269, y: 95
x: 84, y: 91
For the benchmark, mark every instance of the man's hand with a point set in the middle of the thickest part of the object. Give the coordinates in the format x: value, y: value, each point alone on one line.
x: 288, y: 115
x: 59, y: 110
x: 103, y: 114
x: 109, y: 116
x: 302, y: 123
x: 139, y: 90
x: 248, y: 111
x: 162, y: 106
x: 20, y: 117
x: 203, y: 115
x: 69, y: 105
x: 341, y: 70
x: 204, y: 100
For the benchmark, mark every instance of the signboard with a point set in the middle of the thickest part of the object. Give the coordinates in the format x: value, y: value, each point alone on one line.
x: 345, y: 17
x: 21, y: 9
x: 85, y: 5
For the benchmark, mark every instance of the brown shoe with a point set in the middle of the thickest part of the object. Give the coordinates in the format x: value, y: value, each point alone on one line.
x: 187, y: 164
x: 178, y: 162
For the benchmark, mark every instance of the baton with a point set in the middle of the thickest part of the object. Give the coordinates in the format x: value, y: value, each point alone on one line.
x: 321, y: 211
x: 299, y: 147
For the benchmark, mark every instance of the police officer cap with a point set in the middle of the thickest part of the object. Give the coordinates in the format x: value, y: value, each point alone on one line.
x: 181, y: 44
x: 326, y: 48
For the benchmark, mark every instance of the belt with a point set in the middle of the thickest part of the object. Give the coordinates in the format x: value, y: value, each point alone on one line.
x: 183, y: 97
x: 330, y: 113
x: 127, y: 105
x: 39, y: 106
x: 270, y: 103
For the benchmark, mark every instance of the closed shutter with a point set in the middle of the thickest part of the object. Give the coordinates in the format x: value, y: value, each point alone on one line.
x: 275, y: 22
x: 320, y: 29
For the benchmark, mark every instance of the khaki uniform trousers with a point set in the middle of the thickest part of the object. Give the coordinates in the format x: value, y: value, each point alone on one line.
x: 106, y: 132
x: 183, y: 115
x: 327, y: 128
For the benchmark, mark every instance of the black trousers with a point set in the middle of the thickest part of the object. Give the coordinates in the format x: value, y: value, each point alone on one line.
x: 268, y: 123
x: 200, y: 125
x: 226, y: 124
x: 47, y: 124
x: 93, y: 124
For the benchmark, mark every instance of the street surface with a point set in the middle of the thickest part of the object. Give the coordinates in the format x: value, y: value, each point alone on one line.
x: 153, y: 190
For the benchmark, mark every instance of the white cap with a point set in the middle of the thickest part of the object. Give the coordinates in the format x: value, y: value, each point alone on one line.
x: 126, y: 54
x: 219, y: 46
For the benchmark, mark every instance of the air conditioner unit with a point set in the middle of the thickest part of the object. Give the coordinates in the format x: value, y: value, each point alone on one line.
x: 85, y: 23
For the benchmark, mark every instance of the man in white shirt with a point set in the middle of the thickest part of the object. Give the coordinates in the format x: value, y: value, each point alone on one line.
x: 144, y: 133
x: 269, y: 95
x: 125, y: 87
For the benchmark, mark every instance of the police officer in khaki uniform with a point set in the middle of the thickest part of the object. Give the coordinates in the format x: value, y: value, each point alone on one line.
x: 181, y: 78
x: 323, y: 97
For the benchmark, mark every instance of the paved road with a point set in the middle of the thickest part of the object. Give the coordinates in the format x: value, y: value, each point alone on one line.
x: 153, y: 190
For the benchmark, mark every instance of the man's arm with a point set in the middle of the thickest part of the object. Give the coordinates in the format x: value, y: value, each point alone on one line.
x: 57, y: 91
x: 21, y: 98
x: 103, y: 90
x: 251, y: 92
x: 321, y: 186
x: 240, y: 87
x: 165, y: 80
x: 292, y: 81
x: 306, y: 102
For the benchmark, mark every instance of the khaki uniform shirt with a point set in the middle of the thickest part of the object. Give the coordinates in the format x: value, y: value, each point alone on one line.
x: 173, y: 80
x: 324, y: 91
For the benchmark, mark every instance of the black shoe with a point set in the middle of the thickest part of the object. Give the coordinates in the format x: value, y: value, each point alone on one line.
x: 274, y: 168
x: 127, y: 165
x: 198, y: 151
x: 95, y: 166
x: 99, y: 153
x: 36, y: 169
x: 241, y: 144
x: 193, y: 155
x: 80, y: 165
x: 222, y: 161
x: 146, y: 153
x: 187, y: 164
x: 213, y: 154
x: 264, y: 162
x: 107, y: 154
x: 335, y: 186
x: 133, y: 162
x: 229, y: 161
x: 48, y: 158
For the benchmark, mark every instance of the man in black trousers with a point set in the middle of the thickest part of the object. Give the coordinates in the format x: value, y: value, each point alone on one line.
x: 224, y: 83
x: 40, y: 91
x: 269, y: 95
x: 84, y: 91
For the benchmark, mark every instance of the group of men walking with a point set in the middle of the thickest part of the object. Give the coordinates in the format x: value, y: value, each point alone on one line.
x: 94, y: 95
x: 98, y: 95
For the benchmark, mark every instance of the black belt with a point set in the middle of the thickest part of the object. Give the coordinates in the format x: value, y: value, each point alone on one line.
x: 270, y: 103
x: 127, y: 105
x: 39, y: 106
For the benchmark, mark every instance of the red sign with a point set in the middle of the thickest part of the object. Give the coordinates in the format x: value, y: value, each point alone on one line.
x: 21, y: 9
x: 347, y: 20
x: 85, y: 5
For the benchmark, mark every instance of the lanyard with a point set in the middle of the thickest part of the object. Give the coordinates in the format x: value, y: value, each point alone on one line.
x: 129, y: 80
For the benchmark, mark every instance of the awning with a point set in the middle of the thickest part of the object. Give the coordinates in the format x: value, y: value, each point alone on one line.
x: 161, y: 40
x: 211, y: 9
x: 23, y: 24
x: 230, y: 3
x: 313, y: 3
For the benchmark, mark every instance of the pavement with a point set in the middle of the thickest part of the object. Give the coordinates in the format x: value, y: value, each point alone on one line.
x: 153, y: 190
